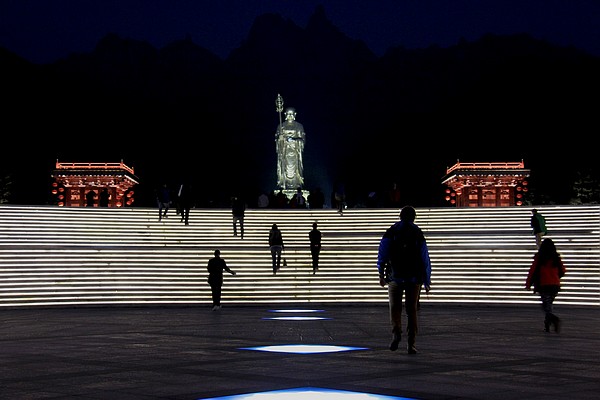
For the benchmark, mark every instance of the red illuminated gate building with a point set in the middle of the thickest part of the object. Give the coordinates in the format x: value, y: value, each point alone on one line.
x: 492, y: 184
x: 73, y: 181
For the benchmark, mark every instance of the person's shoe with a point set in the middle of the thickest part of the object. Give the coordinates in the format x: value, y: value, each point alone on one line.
x: 556, y: 324
x: 546, y: 326
x: 411, y: 349
x: 215, y: 308
x: 395, y: 342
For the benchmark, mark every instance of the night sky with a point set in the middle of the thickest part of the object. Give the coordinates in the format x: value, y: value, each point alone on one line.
x: 46, y: 31
x: 43, y: 31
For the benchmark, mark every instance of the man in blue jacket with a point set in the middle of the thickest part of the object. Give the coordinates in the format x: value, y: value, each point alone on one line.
x: 404, y: 266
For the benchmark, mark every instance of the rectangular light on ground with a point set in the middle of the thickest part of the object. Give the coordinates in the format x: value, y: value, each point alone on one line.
x: 308, y: 393
x: 303, y: 348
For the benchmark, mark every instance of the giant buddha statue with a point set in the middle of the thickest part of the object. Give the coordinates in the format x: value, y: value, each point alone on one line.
x: 289, y: 144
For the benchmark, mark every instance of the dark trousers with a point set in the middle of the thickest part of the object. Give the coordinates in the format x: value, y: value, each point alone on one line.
x: 411, y: 293
x: 185, y: 215
x: 547, y: 295
x: 314, y: 253
x: 215, y: 288
x: 163, y: 208
x: 235, y: 222
x: 276, y: 257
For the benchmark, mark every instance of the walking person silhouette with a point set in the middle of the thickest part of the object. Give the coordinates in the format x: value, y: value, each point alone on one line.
x: 216, y: 266
x: 276, y: 246
x: 314, y: 236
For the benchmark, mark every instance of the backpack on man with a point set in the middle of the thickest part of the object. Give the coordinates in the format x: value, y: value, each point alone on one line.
x: 405, y: 254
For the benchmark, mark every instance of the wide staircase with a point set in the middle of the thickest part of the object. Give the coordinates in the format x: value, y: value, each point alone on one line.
x: 71, y: 257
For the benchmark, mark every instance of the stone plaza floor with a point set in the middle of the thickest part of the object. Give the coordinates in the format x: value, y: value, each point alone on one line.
x: 465, y: 352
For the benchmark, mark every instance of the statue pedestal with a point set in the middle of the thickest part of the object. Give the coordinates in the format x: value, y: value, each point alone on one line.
x: 289, y: 193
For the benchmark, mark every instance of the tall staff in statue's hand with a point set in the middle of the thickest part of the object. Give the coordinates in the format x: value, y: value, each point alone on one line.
x: 279, y: 106
x: 279, y: 109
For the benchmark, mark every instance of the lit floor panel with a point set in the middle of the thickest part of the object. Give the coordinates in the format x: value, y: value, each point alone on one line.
x: 303, y: 348
x: 296, y: 318
x: 308, y: 393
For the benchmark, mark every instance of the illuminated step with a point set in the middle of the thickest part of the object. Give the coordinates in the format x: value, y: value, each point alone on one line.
x: 52, y: 256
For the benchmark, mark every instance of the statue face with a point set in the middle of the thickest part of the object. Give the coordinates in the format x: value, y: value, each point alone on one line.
x: 290, y: 113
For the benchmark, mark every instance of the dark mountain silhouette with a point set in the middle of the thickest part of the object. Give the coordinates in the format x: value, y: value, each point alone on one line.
x: 181, y: 113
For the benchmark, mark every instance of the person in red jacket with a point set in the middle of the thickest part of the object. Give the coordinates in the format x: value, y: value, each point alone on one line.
x: 544, y: 275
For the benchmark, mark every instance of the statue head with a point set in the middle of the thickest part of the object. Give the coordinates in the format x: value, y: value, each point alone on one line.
x: 290, y: 113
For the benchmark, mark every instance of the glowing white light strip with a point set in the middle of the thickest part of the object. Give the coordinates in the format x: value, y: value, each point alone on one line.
x: 297, y: 318
x: 303, y: 348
